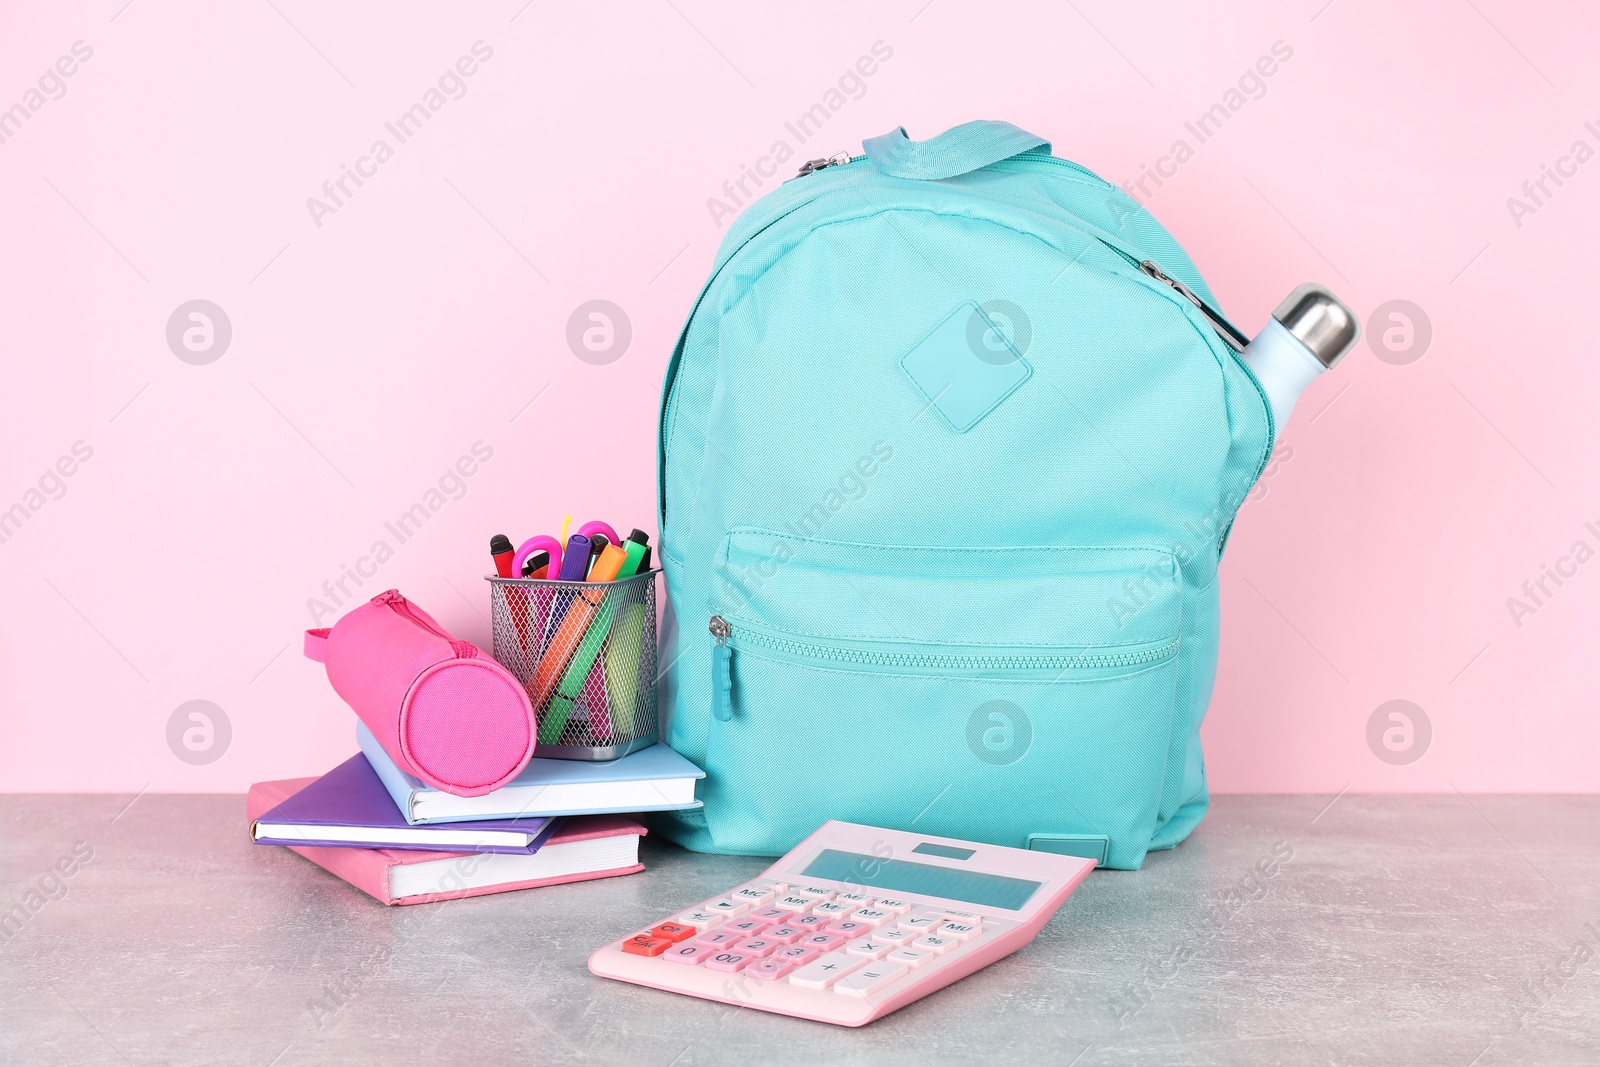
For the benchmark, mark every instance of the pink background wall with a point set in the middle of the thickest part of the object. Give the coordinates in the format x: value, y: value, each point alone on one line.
x: 370, y: 352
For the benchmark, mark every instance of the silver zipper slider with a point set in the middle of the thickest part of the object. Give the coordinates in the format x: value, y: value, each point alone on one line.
x: 810, y: 166
x: 720, y: 629
x: 1224, y: 329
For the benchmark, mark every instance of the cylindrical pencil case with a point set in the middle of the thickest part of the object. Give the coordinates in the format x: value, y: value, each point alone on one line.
x: 442, y: 709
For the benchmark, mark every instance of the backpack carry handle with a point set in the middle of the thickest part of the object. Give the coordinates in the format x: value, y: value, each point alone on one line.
x: 958, y: 150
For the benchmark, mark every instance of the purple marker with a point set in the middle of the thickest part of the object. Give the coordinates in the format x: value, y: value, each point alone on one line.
x: 574, y: 568
x: 575, y: 561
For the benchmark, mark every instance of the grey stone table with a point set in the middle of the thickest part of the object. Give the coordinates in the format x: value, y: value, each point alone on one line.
x: 1289, y: 930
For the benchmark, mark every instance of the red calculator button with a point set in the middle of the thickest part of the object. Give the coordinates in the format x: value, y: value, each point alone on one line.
x: 646, y: 945
x: 673, y: 932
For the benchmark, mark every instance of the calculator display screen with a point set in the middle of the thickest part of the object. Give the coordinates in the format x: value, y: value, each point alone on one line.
x: 921, y: 879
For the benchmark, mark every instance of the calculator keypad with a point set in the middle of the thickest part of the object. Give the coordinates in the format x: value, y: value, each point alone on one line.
x: 810, y: 936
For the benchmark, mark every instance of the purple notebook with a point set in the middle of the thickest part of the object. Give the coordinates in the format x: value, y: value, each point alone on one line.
x: 349, y: 808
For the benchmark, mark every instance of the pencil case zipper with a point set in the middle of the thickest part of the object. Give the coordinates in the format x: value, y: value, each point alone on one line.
x: 402, y: 607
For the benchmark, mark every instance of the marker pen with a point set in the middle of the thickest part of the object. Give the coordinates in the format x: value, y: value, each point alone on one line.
x: 501, y: 549
x: 574, y: 568
x: 609, y: 565
x: 621, y: 667
x: 575, y: 562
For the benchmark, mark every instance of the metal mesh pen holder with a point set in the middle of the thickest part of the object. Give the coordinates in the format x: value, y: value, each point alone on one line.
x: 586, y: 653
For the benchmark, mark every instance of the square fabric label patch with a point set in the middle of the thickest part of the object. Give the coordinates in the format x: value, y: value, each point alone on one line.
x: 966, y: 367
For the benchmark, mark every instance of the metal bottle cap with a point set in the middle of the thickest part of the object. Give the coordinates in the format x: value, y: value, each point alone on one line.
x: 1320, y: 321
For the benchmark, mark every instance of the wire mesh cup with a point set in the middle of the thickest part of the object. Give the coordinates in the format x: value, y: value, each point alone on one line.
x: 586, y: 653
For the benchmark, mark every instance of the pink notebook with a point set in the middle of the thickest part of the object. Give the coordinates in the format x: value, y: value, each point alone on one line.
x: 583, y: 847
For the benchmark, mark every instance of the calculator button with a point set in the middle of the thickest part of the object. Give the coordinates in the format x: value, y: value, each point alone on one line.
x: 810, y: 922
x: 780, y: 888
x: 921, y: 923
x: 753, y: 894
x: 725, y: 906
x: 935, y: 943
x: 646, y: 945
x: 783, y: 935
x: 717, y: 939
x: 824, y: 942
x: 869, y: 979
x: 869, y: 948
x: 700, y: 920
x: 859, y: 900
x: 756, y: 947
x: 832, y: 909
x: 772, y: 915
x: 960, y: 931
x: 796, y: 904
x: 849, y: 928
x: 820, y: 892
x: 745, y: 927
x: 872, y: 916
x: 911, y: 957
x: 727, y: 961
x: 796, y: 954
x: 769, y: 970
x: 690, y: 954
x: 821, y: 973
x: 895, y: 936
x: 673, y: 932
x: 899, y: 907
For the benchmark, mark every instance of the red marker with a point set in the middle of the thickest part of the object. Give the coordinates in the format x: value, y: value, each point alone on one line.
x: 501, y: 549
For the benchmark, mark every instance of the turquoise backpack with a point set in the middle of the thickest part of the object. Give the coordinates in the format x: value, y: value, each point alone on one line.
x: 950, y: 446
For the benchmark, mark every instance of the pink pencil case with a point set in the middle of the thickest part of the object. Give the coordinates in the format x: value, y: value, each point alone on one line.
x: 440, y: 707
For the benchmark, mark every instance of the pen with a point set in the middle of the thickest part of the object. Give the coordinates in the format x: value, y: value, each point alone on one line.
x: 600, y: 535
x: 500, y: 548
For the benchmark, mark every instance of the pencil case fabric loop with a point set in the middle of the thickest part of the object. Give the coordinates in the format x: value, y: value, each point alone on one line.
x: 317, y: 644
x: 442, y: 709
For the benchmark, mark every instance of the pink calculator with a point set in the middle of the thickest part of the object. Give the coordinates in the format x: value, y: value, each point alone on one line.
x: 853, y: 923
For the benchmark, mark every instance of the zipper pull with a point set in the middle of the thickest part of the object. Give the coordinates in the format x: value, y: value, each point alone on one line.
x: 721, y: 670
x: 811, y: 166
x: 1224, y: 329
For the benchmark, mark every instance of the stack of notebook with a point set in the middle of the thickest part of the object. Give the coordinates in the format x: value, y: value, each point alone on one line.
x: 403, y: 842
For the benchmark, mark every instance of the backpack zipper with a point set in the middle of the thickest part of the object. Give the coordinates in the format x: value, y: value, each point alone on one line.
x: 838, y: 159
x: 722, y: 659
x: 1232, y: 339
x: 1225, y: 329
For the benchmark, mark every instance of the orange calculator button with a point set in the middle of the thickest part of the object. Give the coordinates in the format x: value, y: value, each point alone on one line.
x: 646, y: 945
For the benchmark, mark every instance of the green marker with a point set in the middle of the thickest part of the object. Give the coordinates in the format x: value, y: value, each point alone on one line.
x: 622, y: 658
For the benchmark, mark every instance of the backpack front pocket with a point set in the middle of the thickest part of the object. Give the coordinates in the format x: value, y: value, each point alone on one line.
x: 990, y: 694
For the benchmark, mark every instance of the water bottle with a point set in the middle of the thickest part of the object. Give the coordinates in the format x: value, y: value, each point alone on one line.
x: 1307, y: 334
